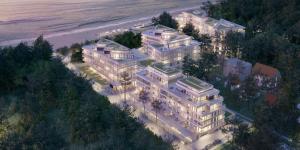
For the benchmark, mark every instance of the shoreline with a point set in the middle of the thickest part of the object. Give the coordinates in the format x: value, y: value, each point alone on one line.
x: 67, y: 38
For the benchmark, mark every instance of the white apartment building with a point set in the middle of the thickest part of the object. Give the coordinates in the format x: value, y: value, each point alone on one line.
x: 168, y: 46
x: 111, y: 60
x: 217, y: 29
x: 193, y: 103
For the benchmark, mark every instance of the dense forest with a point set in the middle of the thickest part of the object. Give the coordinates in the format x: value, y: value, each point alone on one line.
x: 273, y: 38
x: 45, y: 106
x: 277, y: 16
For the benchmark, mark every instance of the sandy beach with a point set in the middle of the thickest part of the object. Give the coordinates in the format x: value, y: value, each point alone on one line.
x: 66, y: 38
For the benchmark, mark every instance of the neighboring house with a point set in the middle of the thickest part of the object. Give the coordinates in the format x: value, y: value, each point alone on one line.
x: 191, y: 102
x: 111, y: 60
x: 266, y: 76
x: 237, y: 67
x: 168, y: 46
x: 217, y: 29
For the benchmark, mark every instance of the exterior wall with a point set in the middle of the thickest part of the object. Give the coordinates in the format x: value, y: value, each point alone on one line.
x: 172, y: 56
x: 268, y: 82
x: 167, y: 51
x: 237, y: 67
x: 202, y: 118
x: 110, y: 68
x: 210, y: 26
x: 199, y: 23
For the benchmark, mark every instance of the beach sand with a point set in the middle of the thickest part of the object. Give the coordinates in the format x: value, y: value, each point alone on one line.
x: 80, y: 35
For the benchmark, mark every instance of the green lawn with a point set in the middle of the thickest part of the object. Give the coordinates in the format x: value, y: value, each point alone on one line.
x: 225, y: 146
x: 146, y: 63
x: 93, y: 75
x: 231, y: 101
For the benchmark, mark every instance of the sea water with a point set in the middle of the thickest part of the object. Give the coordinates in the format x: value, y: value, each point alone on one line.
x: 21, y: 19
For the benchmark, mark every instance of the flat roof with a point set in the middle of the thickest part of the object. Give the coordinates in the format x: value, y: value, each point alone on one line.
x: 174, y: 34
x: 157, y: 45
x: 196, y: 83
x: 221, y: 23
x: 112, y: 45
x: 211, y: 21
x: 165, y: 69
x: 229, y: 24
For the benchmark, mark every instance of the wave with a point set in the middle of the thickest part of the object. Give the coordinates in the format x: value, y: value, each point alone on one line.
x: 103, y: 21
x: 117, y: 24
x: 27, y: 20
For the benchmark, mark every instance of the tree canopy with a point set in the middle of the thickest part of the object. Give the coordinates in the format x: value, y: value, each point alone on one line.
x: 271, y: 38
x: 201, y: 68
x: 204, y: 39
x: 41, y: 49
x: 129, y: 39
x: 281, y: 17
x: 166, y: 20
x: 76, y: 51
x: 46, y: 106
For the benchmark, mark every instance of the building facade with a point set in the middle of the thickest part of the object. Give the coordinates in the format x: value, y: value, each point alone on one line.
x: 193, y: 103
x: 266, y: 75
x: 168, y: 46
x: 111, y: 60
x: 216, y: 29
x: 235, y: 66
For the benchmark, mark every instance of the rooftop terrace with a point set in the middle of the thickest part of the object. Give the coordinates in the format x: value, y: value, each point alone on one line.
x: 108, y: 48
x: 112, y: 45
x: 165, y: 69
x: 172, y: 33
x: 164, y: 28
x: 196, y: 83
x: 222, y: 23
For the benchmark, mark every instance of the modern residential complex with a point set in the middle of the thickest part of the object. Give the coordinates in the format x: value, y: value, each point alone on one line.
x: 193, y: 103
x: 217, y: 29
x: 189, y: 102
x: 168, y: 46
x: 111, y: 60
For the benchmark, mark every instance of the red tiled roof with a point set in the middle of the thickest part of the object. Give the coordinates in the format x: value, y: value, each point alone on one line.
x: 271, y: 98
x: 264, y: 70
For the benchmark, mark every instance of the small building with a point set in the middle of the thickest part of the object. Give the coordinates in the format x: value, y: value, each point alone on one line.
x: 216, y: 29
x: 168, y: 46
x: 235, y: 66
x: 111, y: 60
x: 191, y: 102
x: 266, y: 75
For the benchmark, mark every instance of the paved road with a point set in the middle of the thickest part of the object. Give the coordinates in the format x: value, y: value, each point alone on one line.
x: 250, y: 121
